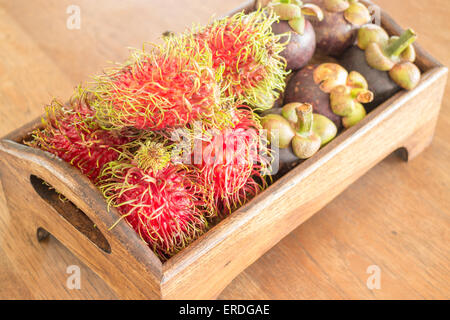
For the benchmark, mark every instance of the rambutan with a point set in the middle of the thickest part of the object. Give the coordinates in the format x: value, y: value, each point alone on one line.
x: 234, y: 162
x: 72, y: 133
x: 165, y: 86
x: 246, y: 50
x: 163, y: 201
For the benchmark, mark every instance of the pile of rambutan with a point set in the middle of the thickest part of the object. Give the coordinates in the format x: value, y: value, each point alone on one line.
x: 120, y: 130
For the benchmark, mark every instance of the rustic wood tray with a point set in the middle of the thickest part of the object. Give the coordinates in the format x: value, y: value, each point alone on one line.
x: 405, y: 122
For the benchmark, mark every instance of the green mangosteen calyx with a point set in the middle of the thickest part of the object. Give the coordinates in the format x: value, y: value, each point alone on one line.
x: 395, y: 54
x: 329, y: 76
x: 298, y: 130
x: 371, y: 33
x: 294, y: 11
x: 324, y: 128
x: 279, y: 130
x: 354, y: 12
x: 348, y: 91
x: 341, y: 20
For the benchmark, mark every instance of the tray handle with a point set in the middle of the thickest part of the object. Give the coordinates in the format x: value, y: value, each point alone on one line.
x: 70, y: 212
x: 33, y: 182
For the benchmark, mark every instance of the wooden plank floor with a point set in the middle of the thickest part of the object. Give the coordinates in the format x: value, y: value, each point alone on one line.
x: 396, y: 217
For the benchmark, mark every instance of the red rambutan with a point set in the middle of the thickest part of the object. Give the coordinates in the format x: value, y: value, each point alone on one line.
x: 163, y: 201
x: 234, y: 161
x: 163, y: 87
x: 246, y: 50
x: 72, y: 133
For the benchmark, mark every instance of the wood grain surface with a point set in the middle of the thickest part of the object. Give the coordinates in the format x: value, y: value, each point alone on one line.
x: 395, y: 217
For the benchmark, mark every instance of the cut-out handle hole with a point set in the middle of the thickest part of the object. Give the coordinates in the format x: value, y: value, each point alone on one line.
x: 70, y: 213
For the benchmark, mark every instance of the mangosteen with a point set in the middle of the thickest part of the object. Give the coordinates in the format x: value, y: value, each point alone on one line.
x: 298, y: 32
x: 386, y: 62
x: 302, y: 87
x: 295, y: 133
x: 332, y: 91
x: 341, y: 20
x: 380, y: 83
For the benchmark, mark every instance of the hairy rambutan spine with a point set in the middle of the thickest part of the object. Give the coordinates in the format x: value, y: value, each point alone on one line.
x: 164, y: 202
x: 72, y: 133
x: 234, y: 162
x: 160, y: 87
x: 247, y: 53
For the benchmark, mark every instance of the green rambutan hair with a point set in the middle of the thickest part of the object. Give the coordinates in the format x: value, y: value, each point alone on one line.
x: 70, y: 131
x: 246, y: 53
x: 161, y: 86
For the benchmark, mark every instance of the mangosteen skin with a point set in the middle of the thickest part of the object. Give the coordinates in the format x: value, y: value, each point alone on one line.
x: 287, y: 159
x: 300, y: 48
x: 302, y: 88
x: 380, y: 83
x: 274, y: 110
x: 334, y: 34
x: 279, y: 102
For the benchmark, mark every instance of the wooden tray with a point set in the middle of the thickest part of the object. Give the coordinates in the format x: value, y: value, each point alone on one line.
x: 406, y: 122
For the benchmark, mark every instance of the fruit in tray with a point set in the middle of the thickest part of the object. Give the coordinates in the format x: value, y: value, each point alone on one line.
x: 300, y: 33
x: 233, y: 162
x: 333, y: 92
x: 246, y: 57
x: 341, y: 20
x: 208, y: 84
x: 296, y: 133
x: 163, y: 201
x: 159, y: 87
x: 386, y: 62
x: 72, y: 133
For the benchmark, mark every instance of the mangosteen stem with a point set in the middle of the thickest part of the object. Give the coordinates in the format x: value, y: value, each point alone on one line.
x: 304, y: 119
x: 396, y: 48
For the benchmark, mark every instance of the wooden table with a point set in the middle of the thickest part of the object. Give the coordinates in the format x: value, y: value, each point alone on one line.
x: 396, y: 217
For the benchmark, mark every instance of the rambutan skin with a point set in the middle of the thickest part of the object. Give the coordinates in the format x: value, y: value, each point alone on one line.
x: 233, y: 163
x: 72, y: 133
x: 166, y: 207
x: 247, y: 52
x: 166, y: 86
